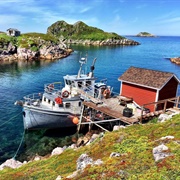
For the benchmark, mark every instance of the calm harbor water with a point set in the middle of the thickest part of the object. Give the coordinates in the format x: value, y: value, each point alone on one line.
x: 21, y: 78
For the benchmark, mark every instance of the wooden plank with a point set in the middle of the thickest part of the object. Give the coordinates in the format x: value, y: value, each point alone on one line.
x: 161, y: 101
x: 91, y: 98
x: 108, y: 110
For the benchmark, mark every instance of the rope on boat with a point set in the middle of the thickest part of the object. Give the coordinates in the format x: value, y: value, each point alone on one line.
x: 19, y: 145
x: 10, y: 119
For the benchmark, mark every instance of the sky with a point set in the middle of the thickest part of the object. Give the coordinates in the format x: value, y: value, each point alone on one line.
x: 124, y: 17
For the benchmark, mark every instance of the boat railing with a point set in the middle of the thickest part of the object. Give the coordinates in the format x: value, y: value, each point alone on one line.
x: 53, y: 87
x: 104, y: 81
x: 92, y: 91
x: 33, y: 97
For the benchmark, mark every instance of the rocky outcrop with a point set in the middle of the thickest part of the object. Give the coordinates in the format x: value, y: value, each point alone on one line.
x: 160, y: 152
x: 175, y: 60
x: 107, y: 42
x: 82, y: 162
x: 11, y: 163
x: 50, y: 52
x: 57, y: 151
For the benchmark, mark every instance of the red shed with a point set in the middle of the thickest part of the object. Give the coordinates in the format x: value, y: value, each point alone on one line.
x: 146, y: 86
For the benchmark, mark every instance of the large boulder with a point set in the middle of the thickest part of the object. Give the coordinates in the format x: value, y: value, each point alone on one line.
x: 83, y: 161
x: 11, y: 163
x: 57, y: 151
x: 163, y: 117
x: 160, y: 152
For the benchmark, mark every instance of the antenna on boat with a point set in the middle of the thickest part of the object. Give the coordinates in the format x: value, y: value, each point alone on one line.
x: 83, y: 60
x: 92, y: 68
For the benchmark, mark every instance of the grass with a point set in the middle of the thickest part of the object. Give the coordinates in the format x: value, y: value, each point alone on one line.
x: 135, y: 144
x: 80, y: 31
x: 28, y: 40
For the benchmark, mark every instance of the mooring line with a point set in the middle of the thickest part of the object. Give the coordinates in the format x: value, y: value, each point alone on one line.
x: 14, y: 157
x: 10, y: 119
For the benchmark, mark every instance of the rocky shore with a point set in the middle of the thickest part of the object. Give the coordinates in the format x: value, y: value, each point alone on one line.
x: 175, y: 60
x: 11, y: 52
x: 107, y: 42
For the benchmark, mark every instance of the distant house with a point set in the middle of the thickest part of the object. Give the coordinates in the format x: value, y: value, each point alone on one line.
x: 13, y: 32
x: 146, y: 86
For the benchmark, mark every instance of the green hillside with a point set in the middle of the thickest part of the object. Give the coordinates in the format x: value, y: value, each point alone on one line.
x: 27, y: 40
x: 136, y: 161
x: 79, y: 30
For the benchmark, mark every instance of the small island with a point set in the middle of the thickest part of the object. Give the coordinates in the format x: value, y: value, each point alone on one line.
x: 145, y: 34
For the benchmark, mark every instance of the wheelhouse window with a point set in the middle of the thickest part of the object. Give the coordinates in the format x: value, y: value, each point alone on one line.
x: 60, y: 105
x: 73, y: 84
x: 80, y: 84
x: 88, y: 83
x: 68, y: 105
x: 80, y: 103
x: 44, y: 99
x: 49, y: 101
x: 68, y: 82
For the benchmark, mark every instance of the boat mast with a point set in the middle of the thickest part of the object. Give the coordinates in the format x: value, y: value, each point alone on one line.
x: 81, y: 61
x: 91, y: 74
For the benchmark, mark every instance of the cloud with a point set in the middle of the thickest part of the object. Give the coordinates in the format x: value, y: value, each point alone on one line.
x: 171, y: 17
x: 7, y: 20
x: 85, y: 10
x: 6, y: 2
x: 170, y: 20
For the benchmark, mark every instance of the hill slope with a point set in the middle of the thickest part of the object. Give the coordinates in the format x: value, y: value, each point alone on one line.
x: 79, y: 30
x: 135, y: 161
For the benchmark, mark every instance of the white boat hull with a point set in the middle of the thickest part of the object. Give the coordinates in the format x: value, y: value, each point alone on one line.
x: 38, y: 118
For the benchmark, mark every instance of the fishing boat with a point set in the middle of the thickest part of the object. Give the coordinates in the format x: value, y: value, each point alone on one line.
x: 60, y: 104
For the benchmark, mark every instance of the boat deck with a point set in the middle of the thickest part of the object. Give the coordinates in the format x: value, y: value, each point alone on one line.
x: 112, y: 108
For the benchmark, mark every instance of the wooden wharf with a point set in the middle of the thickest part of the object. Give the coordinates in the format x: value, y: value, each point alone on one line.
x: 112, y: 109
x: 175, y: 101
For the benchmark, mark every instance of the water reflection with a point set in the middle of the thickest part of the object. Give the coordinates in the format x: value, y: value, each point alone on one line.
x: 17, y: 67
x: 42, y: 142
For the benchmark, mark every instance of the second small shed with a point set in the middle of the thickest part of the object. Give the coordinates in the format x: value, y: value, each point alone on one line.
x: 146, y: 86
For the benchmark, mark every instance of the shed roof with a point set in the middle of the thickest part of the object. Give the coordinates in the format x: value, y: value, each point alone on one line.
x: 147, y: 77
x: 12, y: 29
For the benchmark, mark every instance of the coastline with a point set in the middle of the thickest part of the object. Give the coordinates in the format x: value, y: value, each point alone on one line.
x: 28, y: 55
